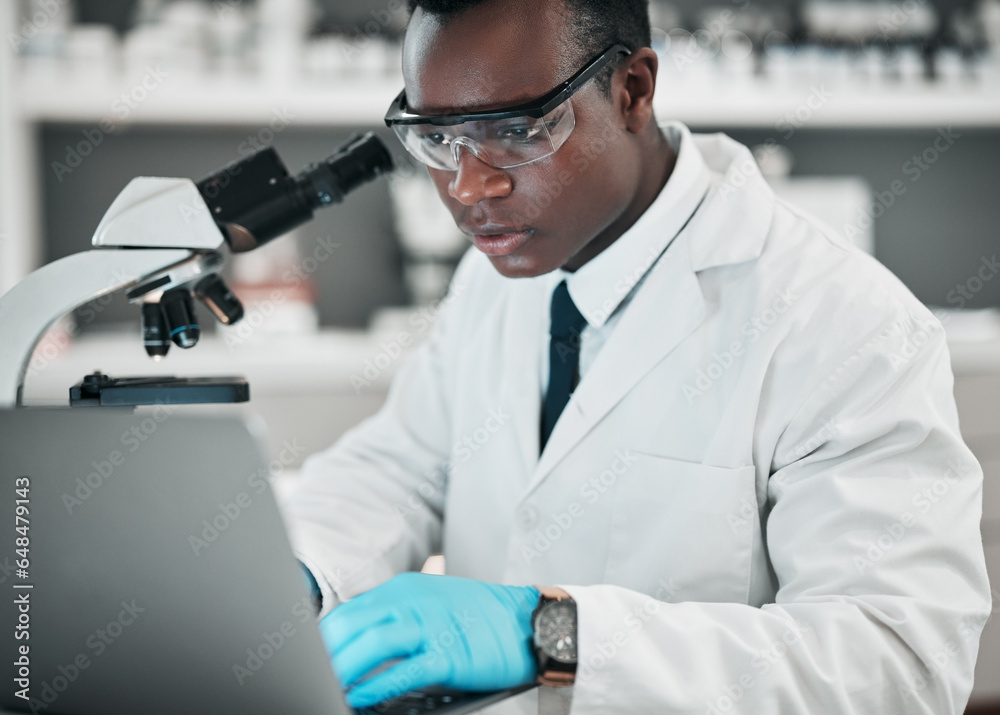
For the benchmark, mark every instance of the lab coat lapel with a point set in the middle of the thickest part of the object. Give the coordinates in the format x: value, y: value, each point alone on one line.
x: 522, y: 336
x: 731, y: 225
x: 672, y: 293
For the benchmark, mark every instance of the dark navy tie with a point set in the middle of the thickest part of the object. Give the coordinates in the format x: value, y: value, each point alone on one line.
x: 564, y: 357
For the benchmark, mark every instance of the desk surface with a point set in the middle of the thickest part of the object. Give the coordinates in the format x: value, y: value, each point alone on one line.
x: 539, y: 701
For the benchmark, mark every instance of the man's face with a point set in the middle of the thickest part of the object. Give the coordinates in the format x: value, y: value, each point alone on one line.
x: 554, y: 212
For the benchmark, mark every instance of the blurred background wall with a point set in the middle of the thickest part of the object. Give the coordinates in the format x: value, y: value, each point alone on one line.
x: 828, y: 65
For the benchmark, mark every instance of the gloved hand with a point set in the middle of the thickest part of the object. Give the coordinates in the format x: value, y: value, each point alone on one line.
x: 449, y: 631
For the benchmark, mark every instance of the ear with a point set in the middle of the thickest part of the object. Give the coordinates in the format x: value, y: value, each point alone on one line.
x: 638, y: 87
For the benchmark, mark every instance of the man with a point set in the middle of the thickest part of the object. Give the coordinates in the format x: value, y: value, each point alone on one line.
x: 718, y: 441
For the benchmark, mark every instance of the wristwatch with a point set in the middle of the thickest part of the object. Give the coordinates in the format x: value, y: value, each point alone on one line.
x: 554, y: 625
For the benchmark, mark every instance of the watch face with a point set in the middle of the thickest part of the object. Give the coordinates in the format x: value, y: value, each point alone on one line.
x: 555, y: 631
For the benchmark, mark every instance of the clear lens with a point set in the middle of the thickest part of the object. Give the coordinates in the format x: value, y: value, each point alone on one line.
x: 502, y: 143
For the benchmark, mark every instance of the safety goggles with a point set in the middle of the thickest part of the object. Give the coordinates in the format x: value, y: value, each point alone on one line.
x: 503, y: 138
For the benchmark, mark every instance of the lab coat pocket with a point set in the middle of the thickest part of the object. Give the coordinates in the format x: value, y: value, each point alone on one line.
x: 683, y: 531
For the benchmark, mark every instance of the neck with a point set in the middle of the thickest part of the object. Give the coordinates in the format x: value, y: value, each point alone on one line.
x: 657, y: 164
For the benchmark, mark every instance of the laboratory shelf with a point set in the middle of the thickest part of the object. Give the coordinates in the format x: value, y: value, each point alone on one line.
x: 363, y: 100
x: 820, y: 106
x: 210, y: 101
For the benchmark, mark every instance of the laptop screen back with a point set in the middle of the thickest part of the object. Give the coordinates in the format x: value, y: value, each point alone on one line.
x: 161, y: 579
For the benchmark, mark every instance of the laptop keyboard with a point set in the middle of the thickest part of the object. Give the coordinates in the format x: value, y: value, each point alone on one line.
x: 416, y: 702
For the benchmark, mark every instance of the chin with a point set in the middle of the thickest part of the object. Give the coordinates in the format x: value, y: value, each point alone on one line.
x: 520, y: 266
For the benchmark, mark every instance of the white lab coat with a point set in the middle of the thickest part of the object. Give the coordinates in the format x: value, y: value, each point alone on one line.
x: 757, y: 495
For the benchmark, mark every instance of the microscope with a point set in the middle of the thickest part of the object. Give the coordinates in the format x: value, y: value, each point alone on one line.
x: 161, y: 242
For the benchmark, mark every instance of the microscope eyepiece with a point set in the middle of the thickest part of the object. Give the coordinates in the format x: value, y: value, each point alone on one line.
x: 255, y: 199
x: 361, y: 160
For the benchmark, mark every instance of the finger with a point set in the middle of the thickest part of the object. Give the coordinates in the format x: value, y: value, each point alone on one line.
x: 343, y: 624
x: 414, y: 673
x: 393, y: 639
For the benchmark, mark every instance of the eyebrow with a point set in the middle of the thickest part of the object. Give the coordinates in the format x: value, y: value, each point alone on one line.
x: 514, y: 101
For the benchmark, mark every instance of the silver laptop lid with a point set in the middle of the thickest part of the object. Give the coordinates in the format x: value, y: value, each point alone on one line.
x: 161, y: 577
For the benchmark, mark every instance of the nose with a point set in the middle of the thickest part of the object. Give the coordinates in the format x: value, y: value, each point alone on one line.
x: 476, y: 180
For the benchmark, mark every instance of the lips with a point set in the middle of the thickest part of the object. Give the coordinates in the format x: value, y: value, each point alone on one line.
x: 502, y: 244
x: 496, y: 240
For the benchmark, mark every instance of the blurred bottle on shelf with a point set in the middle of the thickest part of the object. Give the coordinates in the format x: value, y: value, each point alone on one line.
x: 878, y: 44
x: 284, y: 27
x: 43, y: 34
x: 721, y: 48
x: 174, y: 35
x: 988, y: 66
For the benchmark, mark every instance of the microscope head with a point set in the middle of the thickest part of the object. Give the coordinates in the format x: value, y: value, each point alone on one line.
x: 246, y: 204
x: 255, y: 200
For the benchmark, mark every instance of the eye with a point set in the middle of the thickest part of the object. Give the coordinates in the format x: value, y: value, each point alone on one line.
x: 434, y: 138
x: 519, y: 132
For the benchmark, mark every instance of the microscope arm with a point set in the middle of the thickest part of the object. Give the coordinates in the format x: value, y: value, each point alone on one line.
x: 52, y: 291
x: 158, y: 233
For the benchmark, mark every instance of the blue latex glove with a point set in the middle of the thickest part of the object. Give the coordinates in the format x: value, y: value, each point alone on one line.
x: 449, y: 631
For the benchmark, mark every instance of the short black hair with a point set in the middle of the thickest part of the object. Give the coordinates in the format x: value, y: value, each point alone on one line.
x: 597, y: 25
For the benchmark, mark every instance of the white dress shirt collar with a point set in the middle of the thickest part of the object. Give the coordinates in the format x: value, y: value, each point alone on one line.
x: 600, y: 286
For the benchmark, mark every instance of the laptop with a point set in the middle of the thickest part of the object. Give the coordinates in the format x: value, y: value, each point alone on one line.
x: 150, y: 572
